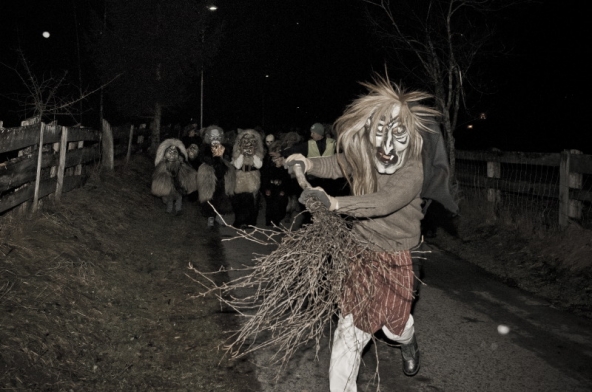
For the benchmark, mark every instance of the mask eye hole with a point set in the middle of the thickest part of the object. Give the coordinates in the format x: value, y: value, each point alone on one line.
x: 396, y: 127
x: 399, y: 130
x: 380, y: 129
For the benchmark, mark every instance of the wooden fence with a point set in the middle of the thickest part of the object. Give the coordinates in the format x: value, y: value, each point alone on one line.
x: 564, y: 177
x: 41, y: 160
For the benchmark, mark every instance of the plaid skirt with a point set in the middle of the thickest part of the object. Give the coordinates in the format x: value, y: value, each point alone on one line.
x: 378, y: 290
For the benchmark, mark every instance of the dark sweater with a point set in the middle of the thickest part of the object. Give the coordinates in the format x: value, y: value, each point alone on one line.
x: 389, y: 218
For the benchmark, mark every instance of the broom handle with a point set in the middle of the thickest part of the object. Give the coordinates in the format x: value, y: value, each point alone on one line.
x: 300, y: 177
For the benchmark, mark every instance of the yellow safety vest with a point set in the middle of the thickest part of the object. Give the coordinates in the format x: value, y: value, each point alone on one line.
x: 313, y: 149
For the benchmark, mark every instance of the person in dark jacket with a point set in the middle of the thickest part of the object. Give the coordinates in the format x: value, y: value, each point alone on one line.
x: 275, y: 187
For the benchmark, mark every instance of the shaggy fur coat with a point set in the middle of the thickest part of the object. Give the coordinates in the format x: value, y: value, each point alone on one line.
x: 247, y: 159
x: 172, y: 179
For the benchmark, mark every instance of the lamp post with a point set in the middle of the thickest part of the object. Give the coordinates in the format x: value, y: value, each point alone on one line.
x: 210, y: 8
x: 201, y: 99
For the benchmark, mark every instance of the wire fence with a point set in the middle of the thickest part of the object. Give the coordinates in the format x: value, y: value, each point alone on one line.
x: 540, y: 190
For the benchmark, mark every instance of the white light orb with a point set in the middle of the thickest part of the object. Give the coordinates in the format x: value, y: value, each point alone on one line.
x: 45, y: 34
x: 503, y: 329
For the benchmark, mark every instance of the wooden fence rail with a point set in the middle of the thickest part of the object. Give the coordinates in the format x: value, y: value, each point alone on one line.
x: 48, y: 159
x: 570, y: 166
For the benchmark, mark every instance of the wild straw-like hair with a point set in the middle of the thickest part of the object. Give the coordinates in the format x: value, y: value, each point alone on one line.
x: 354, y: 136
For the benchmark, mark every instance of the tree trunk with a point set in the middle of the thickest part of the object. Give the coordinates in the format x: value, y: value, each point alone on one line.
x: 450, y: 141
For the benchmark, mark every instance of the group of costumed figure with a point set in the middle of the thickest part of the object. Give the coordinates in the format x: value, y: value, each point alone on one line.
x: 223, y: 178
x: 390, y: 151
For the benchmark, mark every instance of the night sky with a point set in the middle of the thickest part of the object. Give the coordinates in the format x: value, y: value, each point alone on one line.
x: 288, y: 64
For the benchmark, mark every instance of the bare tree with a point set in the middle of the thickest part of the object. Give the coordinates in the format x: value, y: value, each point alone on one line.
x: 47, y: 97
x: 438, y: 44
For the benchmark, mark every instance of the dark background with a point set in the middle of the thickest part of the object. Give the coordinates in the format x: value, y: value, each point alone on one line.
x: 285, y: 64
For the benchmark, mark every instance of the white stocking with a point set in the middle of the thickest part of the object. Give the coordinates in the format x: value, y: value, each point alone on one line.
x: 405, y: 336
x: 346, y: 354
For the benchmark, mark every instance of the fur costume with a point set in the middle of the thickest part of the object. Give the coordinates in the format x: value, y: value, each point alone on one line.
x: 215, y: 176
x: 247, y: 159
x: 172, y: 177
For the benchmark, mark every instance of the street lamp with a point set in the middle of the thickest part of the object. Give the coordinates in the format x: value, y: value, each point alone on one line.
x: 210, y: 8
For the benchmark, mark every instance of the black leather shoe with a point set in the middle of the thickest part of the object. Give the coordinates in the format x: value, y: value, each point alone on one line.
x: 410, y: 354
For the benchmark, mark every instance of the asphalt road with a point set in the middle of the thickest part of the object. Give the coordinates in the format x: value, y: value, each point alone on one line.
x: 456, y: 317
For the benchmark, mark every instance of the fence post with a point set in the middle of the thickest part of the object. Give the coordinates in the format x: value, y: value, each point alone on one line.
x: 568, y: 208
x: 39, y: 161
x: 129, y: 145
x: 493, y: 171
x: 575, y: 182
x: 78, y: 169
x: 61, y: 163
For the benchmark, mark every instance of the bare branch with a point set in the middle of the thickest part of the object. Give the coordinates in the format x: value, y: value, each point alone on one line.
x: 44, y: 96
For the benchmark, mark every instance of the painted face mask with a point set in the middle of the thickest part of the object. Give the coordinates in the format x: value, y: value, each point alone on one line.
x: 392, y: 140
x: 192, y: 151
x: 214, y: 137
x: 269, y: 139
x: 248, y: 144
x: 171, y: 154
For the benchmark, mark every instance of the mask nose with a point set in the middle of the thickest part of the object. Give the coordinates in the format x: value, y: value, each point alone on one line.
x: 387, y: 144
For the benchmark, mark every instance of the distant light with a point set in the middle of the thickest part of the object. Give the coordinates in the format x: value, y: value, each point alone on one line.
x: 212, y: 7
x: 470, y: 126
x: 45, y: 34
x: 483, y: 116
x: 266, y: 76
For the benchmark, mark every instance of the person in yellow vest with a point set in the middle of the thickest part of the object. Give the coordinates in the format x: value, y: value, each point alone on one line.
x: 317, y: 146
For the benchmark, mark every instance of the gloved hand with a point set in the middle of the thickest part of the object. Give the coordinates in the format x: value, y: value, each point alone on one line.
x: 297, y: 159
x: 319, y: 193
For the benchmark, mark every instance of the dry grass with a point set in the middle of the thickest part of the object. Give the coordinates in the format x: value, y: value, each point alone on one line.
x: 94, y: 297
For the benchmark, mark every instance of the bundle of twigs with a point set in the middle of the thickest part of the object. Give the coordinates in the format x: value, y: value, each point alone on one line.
x: 295, y: 290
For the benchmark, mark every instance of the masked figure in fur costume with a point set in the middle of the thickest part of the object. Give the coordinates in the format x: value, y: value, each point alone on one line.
x: 215, y: 176
x: 379, y: 152
x: 172, y: 177
x: 247, y: 159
